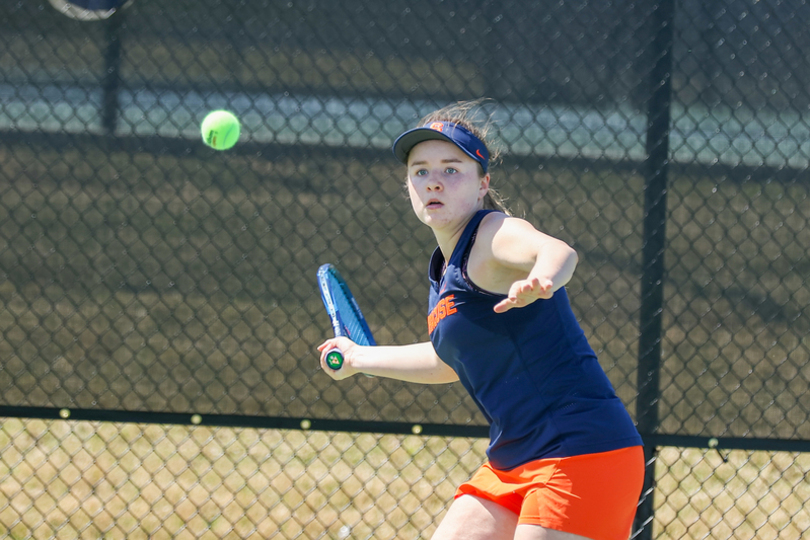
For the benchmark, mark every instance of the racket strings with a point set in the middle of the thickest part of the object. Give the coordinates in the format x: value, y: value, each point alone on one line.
x: 349, y: 318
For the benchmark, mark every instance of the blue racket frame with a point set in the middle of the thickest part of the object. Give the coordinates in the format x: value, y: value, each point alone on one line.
x: 344, y: 313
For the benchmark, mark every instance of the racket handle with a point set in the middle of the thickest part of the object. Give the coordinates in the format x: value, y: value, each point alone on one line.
x: 334, y: 359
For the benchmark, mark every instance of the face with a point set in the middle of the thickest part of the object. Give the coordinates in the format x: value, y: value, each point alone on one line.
x: 444, y: 184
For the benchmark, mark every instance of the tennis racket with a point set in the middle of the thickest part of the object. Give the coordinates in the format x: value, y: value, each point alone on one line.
x: 344, y: 313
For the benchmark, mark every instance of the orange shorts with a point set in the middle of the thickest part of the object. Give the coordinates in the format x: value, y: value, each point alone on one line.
x: 593, y: 495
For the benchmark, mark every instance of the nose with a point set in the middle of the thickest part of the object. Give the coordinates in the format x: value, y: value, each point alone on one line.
x: 433, y: 183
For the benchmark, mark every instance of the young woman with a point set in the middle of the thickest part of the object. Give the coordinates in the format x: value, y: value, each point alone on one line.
x: 565, y: 460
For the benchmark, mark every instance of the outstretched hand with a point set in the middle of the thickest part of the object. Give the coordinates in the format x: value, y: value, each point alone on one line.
x: 524, y: 292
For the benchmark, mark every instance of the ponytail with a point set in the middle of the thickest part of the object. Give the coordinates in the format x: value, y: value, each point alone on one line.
x: 494, y: 201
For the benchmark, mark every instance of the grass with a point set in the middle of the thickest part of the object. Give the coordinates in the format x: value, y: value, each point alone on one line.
x: 91, y: 480
x: 63, y: 479
x: 749, y: 495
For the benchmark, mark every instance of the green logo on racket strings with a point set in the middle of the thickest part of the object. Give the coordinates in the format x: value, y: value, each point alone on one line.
x: 334, y: 359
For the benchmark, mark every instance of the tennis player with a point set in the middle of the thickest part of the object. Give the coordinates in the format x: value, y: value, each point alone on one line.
x: 564, y: 461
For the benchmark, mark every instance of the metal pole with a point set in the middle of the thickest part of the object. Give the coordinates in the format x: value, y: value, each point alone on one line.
x: 654, y: 245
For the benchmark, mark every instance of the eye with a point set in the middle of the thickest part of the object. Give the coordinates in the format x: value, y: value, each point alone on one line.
x: 451, y: 170
x: 420, y: 172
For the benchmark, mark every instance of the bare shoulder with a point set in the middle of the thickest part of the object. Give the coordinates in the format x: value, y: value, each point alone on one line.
x: 514, y: 242
x: 508, y: 249
x: 502, y: 252
x: 502, y: 234
x: 497, y: 223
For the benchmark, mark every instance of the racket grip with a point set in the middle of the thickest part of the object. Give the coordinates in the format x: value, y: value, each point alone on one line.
x: 334, y: 359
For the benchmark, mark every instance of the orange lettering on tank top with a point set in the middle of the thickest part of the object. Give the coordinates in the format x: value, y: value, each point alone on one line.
x: 444, y: 308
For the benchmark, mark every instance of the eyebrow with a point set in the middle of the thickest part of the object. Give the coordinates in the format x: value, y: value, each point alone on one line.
x: 448, y: 160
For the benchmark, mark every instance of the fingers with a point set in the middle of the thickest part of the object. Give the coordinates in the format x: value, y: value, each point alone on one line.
x: 502, y: 306
x: 524, y: 292
x: 344, y: 345
x: 336, y: 374
x: 328, y: 344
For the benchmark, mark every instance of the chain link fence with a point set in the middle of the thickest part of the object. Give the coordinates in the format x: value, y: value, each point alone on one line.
x: 158, y: 307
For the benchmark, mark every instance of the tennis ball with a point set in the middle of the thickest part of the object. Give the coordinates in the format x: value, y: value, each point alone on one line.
x: 220, y: 130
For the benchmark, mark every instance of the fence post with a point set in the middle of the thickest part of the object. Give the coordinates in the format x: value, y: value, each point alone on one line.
x: 112, y: 73
x: 654, y: 245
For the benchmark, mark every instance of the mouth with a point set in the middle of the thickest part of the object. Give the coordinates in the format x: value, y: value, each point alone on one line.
x: 433, y: 203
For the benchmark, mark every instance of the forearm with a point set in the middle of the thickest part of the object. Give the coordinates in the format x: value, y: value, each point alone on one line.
x: 556, y: 261
x: 417, y: 363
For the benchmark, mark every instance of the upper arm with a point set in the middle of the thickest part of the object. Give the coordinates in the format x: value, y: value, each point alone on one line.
x: 516, y: 245
x: 443, y: 372
x: 507, y: 249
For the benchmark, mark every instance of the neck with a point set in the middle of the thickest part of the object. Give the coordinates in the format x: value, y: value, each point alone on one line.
x: 448, y: 238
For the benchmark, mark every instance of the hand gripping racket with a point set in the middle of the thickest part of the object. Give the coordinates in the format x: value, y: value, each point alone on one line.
x: 344, y: 313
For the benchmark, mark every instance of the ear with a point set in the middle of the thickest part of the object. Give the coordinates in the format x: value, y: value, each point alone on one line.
x: 484, y: 187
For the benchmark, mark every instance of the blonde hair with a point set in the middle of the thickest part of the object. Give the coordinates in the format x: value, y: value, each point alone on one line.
x: 470, y: 115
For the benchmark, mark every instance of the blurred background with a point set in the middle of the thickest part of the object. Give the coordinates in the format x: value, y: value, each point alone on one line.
x: 146, y: 278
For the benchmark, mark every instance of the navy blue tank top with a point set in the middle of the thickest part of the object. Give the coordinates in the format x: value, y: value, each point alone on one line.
x: 530, y: 370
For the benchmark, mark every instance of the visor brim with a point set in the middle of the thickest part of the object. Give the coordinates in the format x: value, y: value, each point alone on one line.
x: 405, y: 143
